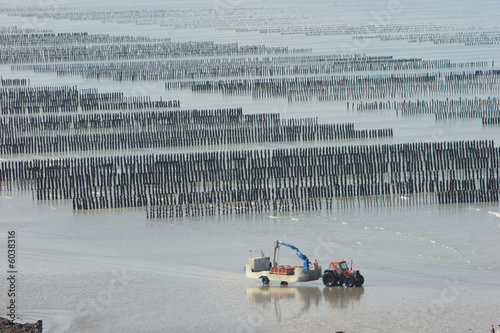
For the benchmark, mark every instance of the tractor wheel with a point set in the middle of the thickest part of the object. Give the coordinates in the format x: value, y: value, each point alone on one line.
x: 360, y: 281
x: 349, y: 281
x: 329, y: 279
x: 265, y: 280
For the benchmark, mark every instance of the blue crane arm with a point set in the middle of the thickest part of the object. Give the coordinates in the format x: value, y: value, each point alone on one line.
x: 299, y: 254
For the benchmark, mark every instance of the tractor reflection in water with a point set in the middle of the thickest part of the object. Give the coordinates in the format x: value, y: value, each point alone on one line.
x: 340, y: 298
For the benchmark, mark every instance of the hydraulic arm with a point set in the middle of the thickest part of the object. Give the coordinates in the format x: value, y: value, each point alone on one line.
x: 302, y: 256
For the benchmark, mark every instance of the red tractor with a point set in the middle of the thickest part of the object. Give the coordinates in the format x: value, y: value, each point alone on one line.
x: 338, y: 274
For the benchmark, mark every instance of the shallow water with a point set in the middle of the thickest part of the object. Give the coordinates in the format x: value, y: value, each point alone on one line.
x: 112, y: 269
x: 426, y: 267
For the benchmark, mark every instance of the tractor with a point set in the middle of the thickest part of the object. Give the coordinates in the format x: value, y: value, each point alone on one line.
x: 338, y: 273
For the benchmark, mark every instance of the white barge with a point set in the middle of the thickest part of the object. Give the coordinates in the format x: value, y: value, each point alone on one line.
x: 262, y: 268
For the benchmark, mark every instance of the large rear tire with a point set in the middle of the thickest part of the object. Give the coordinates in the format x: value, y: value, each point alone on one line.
x: 349, y: 281
x: 360, y: 281
x: 265, y: 280
x: 329, y: 279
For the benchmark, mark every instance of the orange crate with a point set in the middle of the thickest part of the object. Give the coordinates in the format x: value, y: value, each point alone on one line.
x: 283, y: 270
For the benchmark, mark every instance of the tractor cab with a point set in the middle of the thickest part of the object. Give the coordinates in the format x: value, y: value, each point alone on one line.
x: 339, y: 266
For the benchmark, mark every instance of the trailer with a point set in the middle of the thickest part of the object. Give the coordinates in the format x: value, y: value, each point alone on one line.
x: 262, y: 268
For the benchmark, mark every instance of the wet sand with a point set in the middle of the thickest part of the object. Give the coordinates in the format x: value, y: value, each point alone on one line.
x: 82, y: 272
